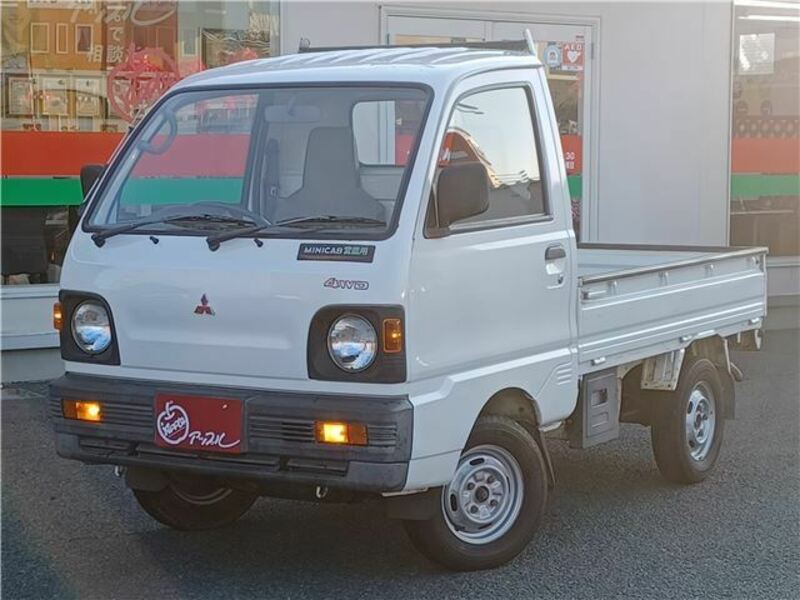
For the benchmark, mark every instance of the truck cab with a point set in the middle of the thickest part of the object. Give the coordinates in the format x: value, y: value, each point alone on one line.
x: 352, y: 273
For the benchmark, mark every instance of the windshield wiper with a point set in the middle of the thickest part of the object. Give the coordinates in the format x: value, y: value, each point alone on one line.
x: 331, y: 219
x: 214, y: 241
x: 100, y: 237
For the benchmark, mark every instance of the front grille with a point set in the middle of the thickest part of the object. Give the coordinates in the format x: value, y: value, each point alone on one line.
x: 281, y: 429
x: 382, y: 436
x: 290, y: 430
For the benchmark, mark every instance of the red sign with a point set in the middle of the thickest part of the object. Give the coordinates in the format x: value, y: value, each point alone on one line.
x: 572, y: 146
x: 572, y: 56
x: 198, y: 423
x: 138, y: 81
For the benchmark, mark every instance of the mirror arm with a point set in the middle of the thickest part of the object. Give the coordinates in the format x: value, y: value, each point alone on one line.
x: 437, y: 233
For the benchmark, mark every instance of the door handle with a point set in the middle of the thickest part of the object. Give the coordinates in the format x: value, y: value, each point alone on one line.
x: 555, y: 253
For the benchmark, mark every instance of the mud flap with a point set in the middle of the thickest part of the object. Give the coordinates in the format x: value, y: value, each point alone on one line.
x: 538, y: 437
x: 148, y: 480
x: 420, y: 506
x: 596, y: 418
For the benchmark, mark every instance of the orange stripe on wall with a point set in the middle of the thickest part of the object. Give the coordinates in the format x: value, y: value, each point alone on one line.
x: 50, y: 153
x: 765, y: 155
x: 54, y: 152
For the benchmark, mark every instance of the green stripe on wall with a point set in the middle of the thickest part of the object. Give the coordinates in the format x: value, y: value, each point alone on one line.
x: 24, y: 191
x: 575, y: 183
x: 745, y: 185
x: 159, y: 190
x: 43, y: 191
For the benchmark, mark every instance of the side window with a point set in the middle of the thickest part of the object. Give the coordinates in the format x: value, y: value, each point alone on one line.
x: 496, y: 128
x: 384, y: 130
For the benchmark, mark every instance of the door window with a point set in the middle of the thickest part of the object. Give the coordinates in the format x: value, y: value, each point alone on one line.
x: 495, y: 128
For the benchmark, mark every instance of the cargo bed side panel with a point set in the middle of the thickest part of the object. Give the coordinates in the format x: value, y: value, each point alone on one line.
x: 636, y: 314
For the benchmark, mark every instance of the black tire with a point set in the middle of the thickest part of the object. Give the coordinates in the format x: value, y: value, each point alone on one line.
x: 434, y: 538
x: 672, y: 446
x: 193, y: 504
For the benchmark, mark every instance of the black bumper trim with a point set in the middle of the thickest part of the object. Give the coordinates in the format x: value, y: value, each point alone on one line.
x: 273, y: 454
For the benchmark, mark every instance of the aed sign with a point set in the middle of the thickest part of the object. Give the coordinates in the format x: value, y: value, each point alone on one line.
x: 572, y: 54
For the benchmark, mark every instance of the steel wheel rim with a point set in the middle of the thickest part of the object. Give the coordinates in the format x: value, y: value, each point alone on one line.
x: 484, y: 498
x: 201, y: 497
x: 701, y: 421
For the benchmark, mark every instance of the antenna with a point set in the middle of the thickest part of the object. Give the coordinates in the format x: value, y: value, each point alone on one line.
x: 529, y: 42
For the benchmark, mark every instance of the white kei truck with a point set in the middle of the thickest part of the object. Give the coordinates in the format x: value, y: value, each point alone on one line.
x: 352, y: 274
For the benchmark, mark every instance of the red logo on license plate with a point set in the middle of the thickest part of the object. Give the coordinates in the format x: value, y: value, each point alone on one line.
x: 197, y: 423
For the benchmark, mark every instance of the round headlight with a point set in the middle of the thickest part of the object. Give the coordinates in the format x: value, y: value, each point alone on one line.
x: 352, y: 343
x: 91, y: 327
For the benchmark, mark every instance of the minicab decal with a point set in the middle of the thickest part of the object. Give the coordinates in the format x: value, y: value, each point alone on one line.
x: 338, y: 252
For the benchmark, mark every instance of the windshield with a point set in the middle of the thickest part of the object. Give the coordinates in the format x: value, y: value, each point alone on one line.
x: 330, y: 159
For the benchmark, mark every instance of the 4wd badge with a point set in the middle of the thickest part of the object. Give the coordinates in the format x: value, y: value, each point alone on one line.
x: 346, y: 284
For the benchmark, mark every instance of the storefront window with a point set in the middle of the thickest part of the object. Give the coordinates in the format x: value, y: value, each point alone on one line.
x: 75, y: 76
x: 765, y: 142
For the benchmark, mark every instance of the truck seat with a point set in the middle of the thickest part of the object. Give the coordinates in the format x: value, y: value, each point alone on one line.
x: 331, y: 184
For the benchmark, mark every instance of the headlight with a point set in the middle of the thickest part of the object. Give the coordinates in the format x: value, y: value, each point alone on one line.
x: 91, y: 327
x: 352, y: 343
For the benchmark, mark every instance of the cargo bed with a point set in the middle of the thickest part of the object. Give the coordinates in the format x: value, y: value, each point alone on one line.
x: 640, y: 301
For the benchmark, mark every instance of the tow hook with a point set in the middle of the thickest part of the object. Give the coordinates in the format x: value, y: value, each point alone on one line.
x: 321, y: 492
x: 119, y: 471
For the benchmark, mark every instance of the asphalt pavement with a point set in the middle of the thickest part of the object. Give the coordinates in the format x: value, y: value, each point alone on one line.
x: 614, y: 527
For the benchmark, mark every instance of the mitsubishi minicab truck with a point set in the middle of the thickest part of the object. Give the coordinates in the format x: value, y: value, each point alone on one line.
x: 351, y: 274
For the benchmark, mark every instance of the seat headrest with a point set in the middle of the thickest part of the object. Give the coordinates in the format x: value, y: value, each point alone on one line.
x: 330, y: 156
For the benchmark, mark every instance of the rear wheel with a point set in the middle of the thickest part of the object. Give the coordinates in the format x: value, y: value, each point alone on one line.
x: 492, y: 507
x: 688, y: 424
x: 194, y: 503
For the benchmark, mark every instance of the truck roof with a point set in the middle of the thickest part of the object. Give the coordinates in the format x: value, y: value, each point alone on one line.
x: 433, y: 65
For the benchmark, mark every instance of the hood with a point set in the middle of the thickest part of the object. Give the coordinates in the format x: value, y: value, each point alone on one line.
x: 242, y: 310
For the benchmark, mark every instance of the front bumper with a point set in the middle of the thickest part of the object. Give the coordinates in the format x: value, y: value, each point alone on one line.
x: 278, y: 427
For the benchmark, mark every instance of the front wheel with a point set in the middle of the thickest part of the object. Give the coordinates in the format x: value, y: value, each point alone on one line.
x: 194, y: 503
x: 494, y: 504
x: 689, y: 423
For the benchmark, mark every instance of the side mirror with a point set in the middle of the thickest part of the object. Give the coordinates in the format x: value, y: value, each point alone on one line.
x: 89, y: 174
x: 461, y: 192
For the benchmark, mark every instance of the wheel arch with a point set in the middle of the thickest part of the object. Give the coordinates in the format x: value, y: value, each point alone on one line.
x: 662, y: 373
x: 715, y: 349
x: 515, y: 403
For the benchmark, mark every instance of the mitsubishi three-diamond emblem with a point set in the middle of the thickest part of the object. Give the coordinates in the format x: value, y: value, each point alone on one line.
x: 204, y: 308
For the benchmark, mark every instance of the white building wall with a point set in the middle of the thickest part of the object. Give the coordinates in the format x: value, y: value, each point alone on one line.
x: 662, y: 102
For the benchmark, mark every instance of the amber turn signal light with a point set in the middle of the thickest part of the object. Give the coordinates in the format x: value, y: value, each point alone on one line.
x: 392, y: 336
x: 335, y: 432
x: 82, y: 411
x: 58, y: 316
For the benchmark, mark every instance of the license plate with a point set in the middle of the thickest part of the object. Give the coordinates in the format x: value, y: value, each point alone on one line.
x: 198, y: 423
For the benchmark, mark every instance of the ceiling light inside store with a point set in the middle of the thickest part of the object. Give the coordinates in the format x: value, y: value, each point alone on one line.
x: 784, y: 18
x: 769, y: 4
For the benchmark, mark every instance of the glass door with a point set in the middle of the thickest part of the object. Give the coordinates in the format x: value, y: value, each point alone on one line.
x: 565, y: 51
